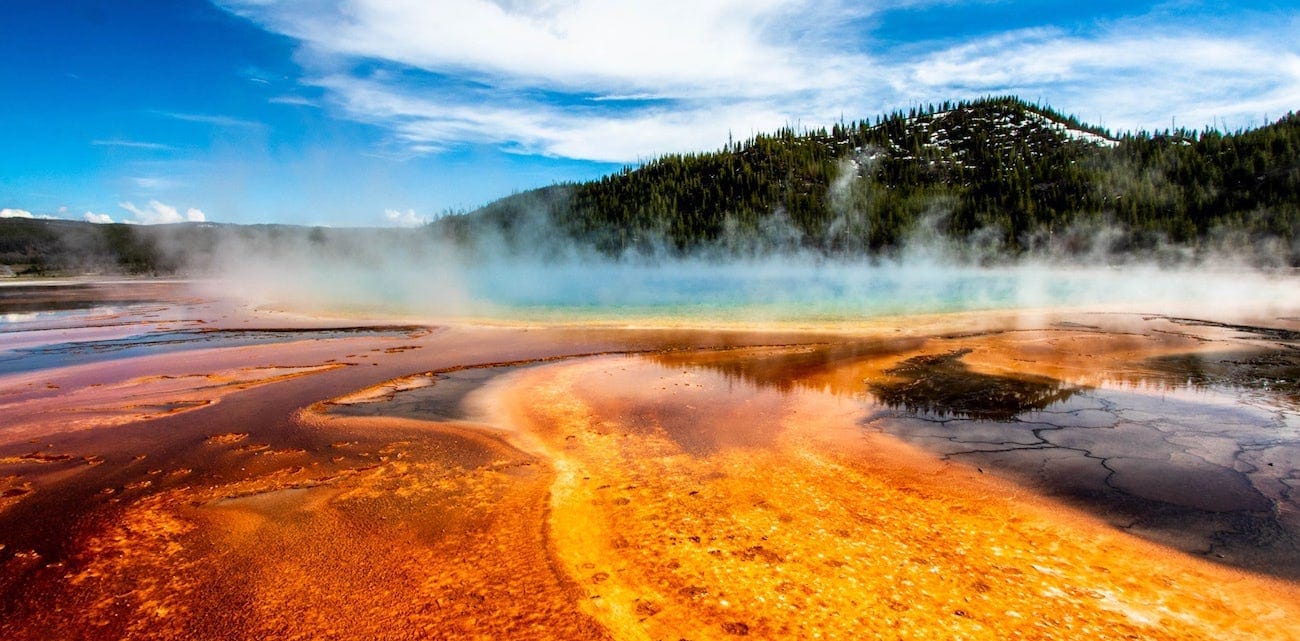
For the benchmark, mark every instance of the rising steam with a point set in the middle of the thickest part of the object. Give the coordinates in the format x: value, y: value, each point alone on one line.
x: 765, y: 278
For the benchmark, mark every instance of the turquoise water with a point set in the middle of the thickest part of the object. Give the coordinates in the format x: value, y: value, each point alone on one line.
x: 791, y: 292
x: 758, y: 290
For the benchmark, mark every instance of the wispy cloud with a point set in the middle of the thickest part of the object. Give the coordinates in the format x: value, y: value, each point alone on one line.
x: 557, y: 79
x: 132, y: 144
x: 157, y: 213
x: 619, y: 81
x: 212, y: 119
x: 99, y: 219
x: 154, y: 183
x: 431, y: 122
x: 1134, y: 76
x: 298, y: 101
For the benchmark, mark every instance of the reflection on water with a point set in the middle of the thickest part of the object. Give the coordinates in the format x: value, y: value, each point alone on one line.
x: 29, y: 359
x: 427, y: 396
x: 1193, y: 469
x: 58, y: 296
x: 23, y: 321
x: 837, y: 367
x: 694, y: 408
x: 1275, y: 373
x: 942, y: 385
x: 24, y: 317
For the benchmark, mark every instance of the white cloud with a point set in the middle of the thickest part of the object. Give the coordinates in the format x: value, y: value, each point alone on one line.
x: 589, y: 79
x: 23, y: 213
x: 1132, y: 76
x: 679, y: 47
x: 157, y: 213
x: 101, y: 219
x: 406, y: 218
x: 628, y: 80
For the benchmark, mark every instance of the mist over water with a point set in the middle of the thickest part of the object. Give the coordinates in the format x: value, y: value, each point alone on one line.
x: 440, y: 282
x: 532, y: 270
x: 793, y: 290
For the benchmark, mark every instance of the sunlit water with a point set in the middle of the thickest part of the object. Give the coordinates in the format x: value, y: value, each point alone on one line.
x: 836, y: 292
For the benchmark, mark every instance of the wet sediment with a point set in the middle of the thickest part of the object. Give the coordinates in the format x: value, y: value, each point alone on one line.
x: 517, y: 483
x: 807, y: 527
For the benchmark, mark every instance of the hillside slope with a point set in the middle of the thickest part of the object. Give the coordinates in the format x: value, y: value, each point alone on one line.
x: 1018, y: 176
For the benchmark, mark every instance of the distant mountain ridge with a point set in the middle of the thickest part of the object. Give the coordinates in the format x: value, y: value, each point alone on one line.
x: 53, y: 247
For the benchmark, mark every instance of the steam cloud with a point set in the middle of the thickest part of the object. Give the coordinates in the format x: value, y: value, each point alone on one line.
x: 533, y: 272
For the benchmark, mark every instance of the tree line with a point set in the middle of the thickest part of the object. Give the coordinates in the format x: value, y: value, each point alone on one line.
x: 1011, y: 172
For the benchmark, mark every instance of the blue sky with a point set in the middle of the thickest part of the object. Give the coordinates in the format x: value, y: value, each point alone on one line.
x: 370, y: 112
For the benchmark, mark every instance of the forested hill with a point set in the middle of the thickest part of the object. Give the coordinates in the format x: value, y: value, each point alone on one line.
x: 1019, y: 176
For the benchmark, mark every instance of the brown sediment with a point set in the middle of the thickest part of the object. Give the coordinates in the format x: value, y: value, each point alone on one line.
x: 439, y: 533
x: 227, y: 438
x: 720, y: 485
x: 12, y: 488
x: 445, y: 539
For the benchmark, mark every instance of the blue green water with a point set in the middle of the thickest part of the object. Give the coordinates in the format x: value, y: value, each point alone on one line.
x: 793, y: 292
x: 780, y: 290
